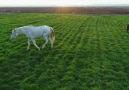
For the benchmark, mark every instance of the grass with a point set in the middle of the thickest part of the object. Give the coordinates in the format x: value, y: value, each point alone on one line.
x: 91, y: 52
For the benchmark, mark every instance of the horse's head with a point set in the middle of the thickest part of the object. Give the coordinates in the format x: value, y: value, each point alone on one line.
x: 14, y: 34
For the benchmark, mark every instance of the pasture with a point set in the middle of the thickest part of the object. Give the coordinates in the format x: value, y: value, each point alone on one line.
x: 91, y: 52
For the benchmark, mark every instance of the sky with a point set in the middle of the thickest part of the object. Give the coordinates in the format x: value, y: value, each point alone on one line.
x: 36, y: 3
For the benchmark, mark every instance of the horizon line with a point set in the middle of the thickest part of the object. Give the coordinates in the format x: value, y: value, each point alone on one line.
x: 92, y: 5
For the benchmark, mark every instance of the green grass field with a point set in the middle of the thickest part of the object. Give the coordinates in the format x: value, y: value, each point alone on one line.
x: 91, y: 52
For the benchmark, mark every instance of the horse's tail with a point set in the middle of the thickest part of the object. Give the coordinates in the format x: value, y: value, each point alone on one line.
x: 53, y: 35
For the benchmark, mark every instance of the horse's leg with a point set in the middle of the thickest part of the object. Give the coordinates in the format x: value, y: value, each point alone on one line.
x: 51, y: 42
x: 46, y: 41
x: 28, y: 44
x: 35, y: 44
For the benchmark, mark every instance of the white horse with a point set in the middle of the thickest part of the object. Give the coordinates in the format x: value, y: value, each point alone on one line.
x: 33, y: 32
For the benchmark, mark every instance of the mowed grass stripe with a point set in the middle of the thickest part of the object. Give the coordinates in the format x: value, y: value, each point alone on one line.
x: 77, y: 62
x: 72, y: 27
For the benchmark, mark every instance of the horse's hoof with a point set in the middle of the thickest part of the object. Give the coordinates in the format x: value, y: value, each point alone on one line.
x: 43, y: 47
x: 51, y: 47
